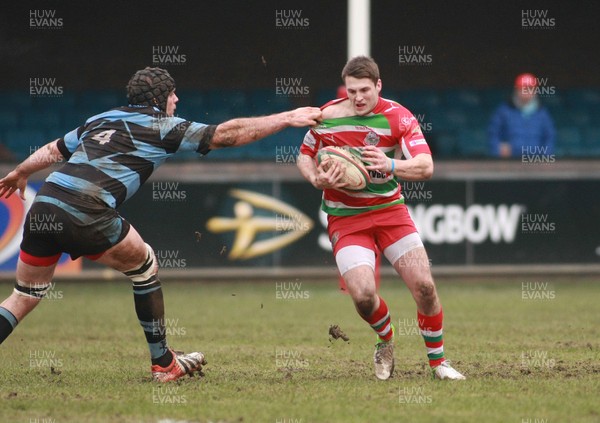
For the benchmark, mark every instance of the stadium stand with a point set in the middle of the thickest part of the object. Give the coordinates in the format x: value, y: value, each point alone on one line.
x: 454, y: 120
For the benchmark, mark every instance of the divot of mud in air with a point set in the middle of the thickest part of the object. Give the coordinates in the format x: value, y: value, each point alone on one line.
x: 335, y: 333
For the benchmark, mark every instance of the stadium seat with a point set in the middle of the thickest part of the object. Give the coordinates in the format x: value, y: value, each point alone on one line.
x: 323, y: 96
x: 190, y: 112
x: 443, y: 145
x: 462, y: 98
x: 594, y: 112
x: 569, y: 142
x: 73, y: 118
x: 36, y: 119
x: 64, y: 102
x: 582, y: 97
x: 291, y: 136
x: 185, y: 156
x: 579, y: 116
x: 8, y: 120
x: 215, y: 116
x: 16, y: 99
x: 553, y: 102
x: 473, y: 143
x: 265, y: 101
x: 591, y: 140
x: 192, y: 105
x: 22, y: 142
x: 101, y: 100
x: 437, y: 120
x: 417, y: 101
x: 560, y: 118
x: 233, y: 101
x: 238, y: 153
x: 456, y: 118
x: 493, y: 97
x: 478, y: 118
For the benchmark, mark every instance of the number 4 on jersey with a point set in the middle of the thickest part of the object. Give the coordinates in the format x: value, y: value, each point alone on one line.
x: 104, y: 136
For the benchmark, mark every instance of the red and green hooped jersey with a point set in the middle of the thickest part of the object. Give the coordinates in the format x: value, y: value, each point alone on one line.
x: 391, y: 128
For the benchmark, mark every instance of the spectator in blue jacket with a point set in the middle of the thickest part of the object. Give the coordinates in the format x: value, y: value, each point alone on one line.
x: 521, y: 125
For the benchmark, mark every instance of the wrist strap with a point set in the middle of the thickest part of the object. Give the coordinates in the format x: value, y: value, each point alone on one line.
x: 393, y: 166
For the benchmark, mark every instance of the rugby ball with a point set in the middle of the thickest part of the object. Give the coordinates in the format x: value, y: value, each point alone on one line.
x: 356, y: 174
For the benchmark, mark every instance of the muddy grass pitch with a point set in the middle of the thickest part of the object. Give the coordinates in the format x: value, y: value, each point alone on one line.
x: 530, y: 351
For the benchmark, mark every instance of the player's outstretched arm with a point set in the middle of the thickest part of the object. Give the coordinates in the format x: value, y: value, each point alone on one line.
x: 237, y: 132
x: 38, y: 160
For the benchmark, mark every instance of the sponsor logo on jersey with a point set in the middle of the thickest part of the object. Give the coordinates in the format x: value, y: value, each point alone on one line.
x: 417, y: 142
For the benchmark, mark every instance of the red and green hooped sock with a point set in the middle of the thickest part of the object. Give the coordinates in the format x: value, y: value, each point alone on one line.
x: 431, y: 330
x: 380, y: 321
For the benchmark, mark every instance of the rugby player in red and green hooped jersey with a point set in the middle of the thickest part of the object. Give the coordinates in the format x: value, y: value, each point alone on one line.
x: 376, y: 217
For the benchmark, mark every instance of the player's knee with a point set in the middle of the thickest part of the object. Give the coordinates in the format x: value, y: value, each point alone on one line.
x: 35, y: 290
x: 147, y: 268
x: 365, y: 306
x: 426, y: 290
x: 365, y: 302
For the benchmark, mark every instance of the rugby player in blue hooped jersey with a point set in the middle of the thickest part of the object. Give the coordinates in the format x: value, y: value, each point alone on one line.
x: 107, y: 160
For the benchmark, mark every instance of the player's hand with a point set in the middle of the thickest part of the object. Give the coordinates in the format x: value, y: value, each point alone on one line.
x: 12, y: 182
x: 376, y: 158
x: 304, y: 116
x: 329, y: 175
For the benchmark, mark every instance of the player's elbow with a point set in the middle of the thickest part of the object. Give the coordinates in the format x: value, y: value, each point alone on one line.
x: 224, y: 136
x: 302, y: 161
x: 299, y: 160
x: 427, y: 168
x: 428, y: 172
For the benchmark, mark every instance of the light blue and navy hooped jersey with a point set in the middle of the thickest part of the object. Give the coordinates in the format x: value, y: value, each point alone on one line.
x: 115, y: 152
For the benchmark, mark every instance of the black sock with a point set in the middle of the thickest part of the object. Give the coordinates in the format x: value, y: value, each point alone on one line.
x: 7, y: 323
x: 150, y: 309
